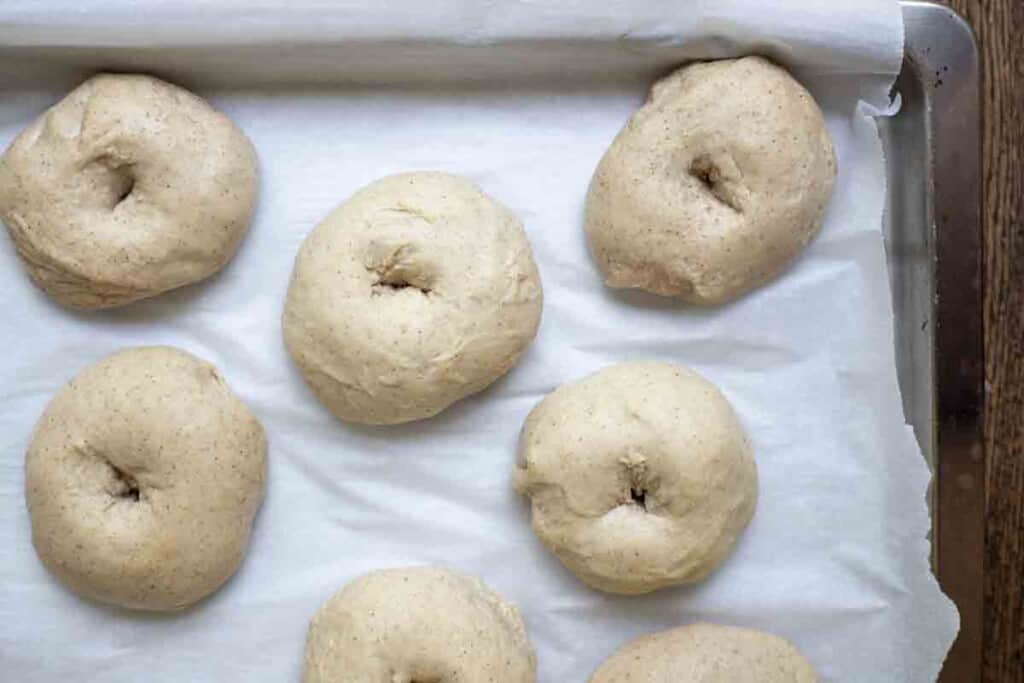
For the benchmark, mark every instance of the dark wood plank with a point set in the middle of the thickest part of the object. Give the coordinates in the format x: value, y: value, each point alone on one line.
x: 999, y: 25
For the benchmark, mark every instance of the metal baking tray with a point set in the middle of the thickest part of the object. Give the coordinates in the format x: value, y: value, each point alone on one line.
x: 932, y: 229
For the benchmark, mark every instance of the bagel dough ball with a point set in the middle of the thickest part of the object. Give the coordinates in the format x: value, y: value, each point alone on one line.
x: 639, y: 476
x: 708, y: 653
x: 714, y: 185
x: 415, y: 625
x: 142, y: 480
x: 416, y: 292
x: 126, y: 188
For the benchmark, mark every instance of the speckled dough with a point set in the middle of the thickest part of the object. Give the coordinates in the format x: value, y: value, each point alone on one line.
x: 707, y: 653
x: 714, y: 185
x: 639, y: 476
x: 416, y: 292
x: 143, y: 478
x: 126, y: 188
x: 417, y: 625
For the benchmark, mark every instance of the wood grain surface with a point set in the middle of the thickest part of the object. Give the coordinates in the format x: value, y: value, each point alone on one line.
x: 999, y: 25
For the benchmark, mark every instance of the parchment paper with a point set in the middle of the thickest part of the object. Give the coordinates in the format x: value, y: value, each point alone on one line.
x: 836, y: 557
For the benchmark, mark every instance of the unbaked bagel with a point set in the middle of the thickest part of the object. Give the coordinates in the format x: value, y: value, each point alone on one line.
x: 639, y: 476
x: 417, y: 291
x: 142, y: 480
x: 417, y: 625
x: 126, y: 188
x: 714, y: 185
x: 708, y: 653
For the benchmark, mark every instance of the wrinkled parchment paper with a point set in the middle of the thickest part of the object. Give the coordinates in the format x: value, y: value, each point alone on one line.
x: 523, y: 98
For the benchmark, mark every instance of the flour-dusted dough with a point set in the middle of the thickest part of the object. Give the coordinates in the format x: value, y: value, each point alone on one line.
x: 714, y: 185
x: 126, y: 188
x: 708, y: 653
x: 416, y: 292
x: 639, y: 476
x: 142, y: 480
x: 417, y: 625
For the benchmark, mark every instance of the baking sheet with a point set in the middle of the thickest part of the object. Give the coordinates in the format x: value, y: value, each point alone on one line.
x: 836, y: 558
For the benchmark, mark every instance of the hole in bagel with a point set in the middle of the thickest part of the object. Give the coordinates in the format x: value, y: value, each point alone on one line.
x: 721, y: 183
x: 113, y: 179
x: 395, y: 285
x: 126, y: 486
x: 397, y: 266
x: 639, y: 497
x: 125, y: 190
x: 705, y: 170
x: 395, y: 278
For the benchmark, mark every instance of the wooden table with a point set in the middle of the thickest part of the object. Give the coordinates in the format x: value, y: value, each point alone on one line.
x: 999, y: 25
